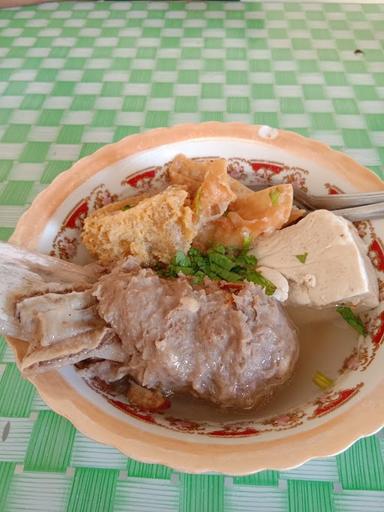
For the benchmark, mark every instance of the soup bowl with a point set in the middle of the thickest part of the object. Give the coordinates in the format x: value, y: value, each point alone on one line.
x: 302, y: 421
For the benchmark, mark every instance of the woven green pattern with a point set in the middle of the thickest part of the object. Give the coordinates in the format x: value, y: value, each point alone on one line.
x: 361, y: 467
x: 2, y: 347
x: 148, y: 470
x: 50, y: 446
x: 202, y: 493
x: 262, y: 478
x: 93, y: 489
x: 313, y: 496
x: 15, y: 393
x: 6, y: 473
x: 76, y: 76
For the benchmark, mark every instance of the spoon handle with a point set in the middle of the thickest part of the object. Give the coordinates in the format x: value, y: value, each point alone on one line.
x: 370, y: 211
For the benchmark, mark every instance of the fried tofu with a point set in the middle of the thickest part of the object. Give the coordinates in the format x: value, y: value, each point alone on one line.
x: 151, y: 230
x: 202, y: 204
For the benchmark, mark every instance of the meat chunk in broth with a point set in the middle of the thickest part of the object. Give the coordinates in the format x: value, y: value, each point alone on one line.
x: 232, y: 349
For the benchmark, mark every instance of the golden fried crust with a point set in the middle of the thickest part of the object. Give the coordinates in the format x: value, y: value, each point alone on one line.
x: 152, y: 230
x: 188, y: 174
x: 250, y: 215
x: 119, y: 205
x: 214, y: 194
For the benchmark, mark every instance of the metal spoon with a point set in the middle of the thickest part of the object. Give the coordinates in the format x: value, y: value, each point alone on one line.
x: 356, y: 206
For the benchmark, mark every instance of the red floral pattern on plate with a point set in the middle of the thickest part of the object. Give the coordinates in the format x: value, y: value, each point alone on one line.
x: 76, y: 219
x: 67, y: 241
x: 287, y: 420
x: 331, y: 401
x: 231, y: 431
x: 333, y: 189
x: 261, y: 171
x: 358, y: 359
x: 376, y: 253
x: 268, y: 167
x: 133, y: 411
x: 376, y: 328
x: 183, y: 425
x: 144, y: 180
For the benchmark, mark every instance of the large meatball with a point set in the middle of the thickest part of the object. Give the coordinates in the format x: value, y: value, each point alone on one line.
x: 229, y: 346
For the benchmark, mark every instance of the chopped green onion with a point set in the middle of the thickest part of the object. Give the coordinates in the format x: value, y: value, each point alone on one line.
x: 198, y: 278
x: 352, y: 319
x: 213, y: 276
x: 257, y: 278
x: 226, y: 263
x: 201, y: 263
x: 246, y: 243
x: 269, y: 287
x: 218, y: 248
x: 322, y: 381
x: 194, y: 252
x: 182, y: 259
x: 177, y: 269
x: 221, y: 260
x: 274, y: 195
x: 126, y: 207
x: 302, y: 257
x: 246, y: 260
x: 227, y: 275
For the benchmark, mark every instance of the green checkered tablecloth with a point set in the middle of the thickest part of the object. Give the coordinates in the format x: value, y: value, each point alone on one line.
x: 76, y: 76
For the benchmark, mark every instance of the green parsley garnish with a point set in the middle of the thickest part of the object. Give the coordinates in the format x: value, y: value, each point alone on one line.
x: 352, y: 319
x: 126, y: 207
x: 219, y: 263
x: 322, y: 381
x: 274, y: 195
x: 302, y: 257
